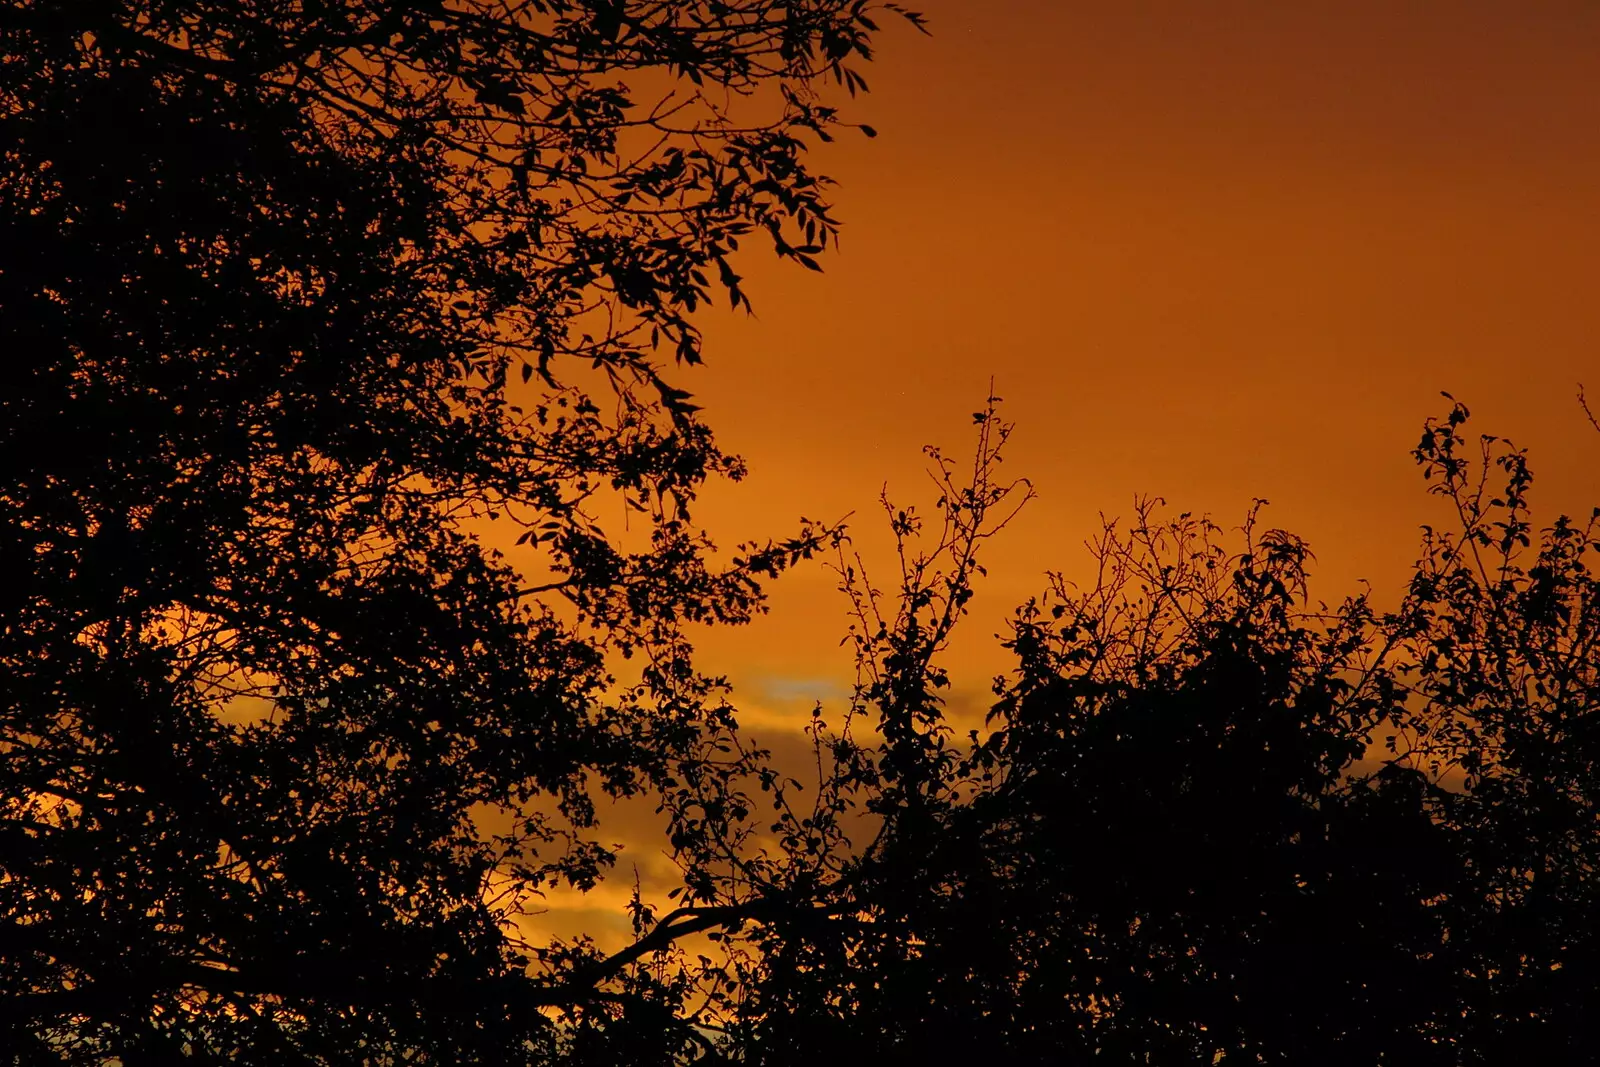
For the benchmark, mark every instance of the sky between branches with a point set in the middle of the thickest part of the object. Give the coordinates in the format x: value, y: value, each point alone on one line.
x: 1211, y: 252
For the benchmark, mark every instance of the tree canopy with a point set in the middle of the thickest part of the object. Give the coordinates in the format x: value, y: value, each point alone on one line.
x: 301, y: 298
x: 294, y: 294
x: 1212, y: 821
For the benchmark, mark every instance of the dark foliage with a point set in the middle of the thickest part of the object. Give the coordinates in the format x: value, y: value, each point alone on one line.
x: 1500, y: 652
x: 290, y: 295
x: 298, y: 298
x: 1210, y: 822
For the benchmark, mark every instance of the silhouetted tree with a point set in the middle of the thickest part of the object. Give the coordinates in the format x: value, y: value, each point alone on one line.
x: 291, y: 293
x: 1183, y: 838
x: 300, y: 296
x: 1500, y: 636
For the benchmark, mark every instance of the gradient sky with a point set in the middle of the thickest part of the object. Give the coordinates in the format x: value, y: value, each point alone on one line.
x: 1209, y: 251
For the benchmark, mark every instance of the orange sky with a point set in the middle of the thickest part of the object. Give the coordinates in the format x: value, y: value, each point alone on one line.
x: 1210, y: 251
